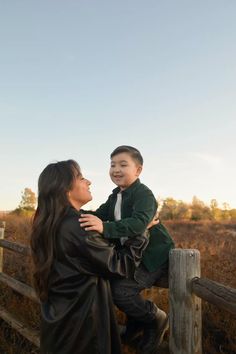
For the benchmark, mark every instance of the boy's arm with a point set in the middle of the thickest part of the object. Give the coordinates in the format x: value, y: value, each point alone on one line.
x: 103, y: 211
x: 91, y: 222
x: 144, y: 209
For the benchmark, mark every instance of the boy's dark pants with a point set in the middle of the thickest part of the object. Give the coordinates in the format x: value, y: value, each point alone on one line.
x: 126, y: 293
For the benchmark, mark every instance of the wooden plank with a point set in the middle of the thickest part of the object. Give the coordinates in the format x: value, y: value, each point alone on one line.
x: 16, y: 247
x: 185, y: 307
x: 1, y: 250
x: 215, y: 293
x: 28, y: 333
x: 18, y: 286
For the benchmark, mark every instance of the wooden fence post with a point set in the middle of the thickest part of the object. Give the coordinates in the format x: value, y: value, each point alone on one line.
x: 2, y: 229
x: 185, y: 307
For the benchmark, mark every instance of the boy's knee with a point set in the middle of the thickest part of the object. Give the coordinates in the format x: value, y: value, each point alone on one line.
x: 117, y: 290
x: 120, y: 292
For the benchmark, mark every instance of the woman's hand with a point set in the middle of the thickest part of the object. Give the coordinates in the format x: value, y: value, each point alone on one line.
x: 91, y: 223
x: 154, y: 221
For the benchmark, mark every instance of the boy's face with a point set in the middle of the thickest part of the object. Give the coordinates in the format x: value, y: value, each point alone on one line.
x: 124, y: 170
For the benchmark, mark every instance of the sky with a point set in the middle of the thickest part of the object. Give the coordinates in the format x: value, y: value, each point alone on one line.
x: 80, y: 77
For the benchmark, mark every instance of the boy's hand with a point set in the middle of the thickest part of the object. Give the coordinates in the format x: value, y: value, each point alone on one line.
x: 153, y: 222
x: 91, y: 223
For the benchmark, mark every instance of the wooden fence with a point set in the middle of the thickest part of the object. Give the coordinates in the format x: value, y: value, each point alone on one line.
x: 21, y: 288
x: 186, y: 289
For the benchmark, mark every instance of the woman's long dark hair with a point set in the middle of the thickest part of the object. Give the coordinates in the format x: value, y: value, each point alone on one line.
x: 54, y: 183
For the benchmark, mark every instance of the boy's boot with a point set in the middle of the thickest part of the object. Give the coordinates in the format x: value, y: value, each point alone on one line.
x: 131, y: 331
x: 154, y: 333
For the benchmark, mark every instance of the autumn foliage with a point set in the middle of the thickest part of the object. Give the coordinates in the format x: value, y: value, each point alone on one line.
x: 197, y: 210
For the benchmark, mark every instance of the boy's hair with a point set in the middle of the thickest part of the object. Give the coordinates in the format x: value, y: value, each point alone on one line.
x: 133, y: 152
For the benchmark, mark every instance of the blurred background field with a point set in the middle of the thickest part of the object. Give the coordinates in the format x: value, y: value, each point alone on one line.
x: 215, y: 240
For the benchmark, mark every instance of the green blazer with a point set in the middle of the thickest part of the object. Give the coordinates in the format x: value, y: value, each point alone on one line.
x: 137, y: 210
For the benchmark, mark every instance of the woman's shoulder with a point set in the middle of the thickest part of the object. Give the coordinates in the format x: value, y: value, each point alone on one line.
x: 70, y: 224
x: 70, y: 236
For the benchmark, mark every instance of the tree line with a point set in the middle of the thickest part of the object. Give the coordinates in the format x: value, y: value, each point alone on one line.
x: 169, y: 209
x: 197, y: 210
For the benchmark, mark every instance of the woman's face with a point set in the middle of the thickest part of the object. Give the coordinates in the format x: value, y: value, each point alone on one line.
x: 80, y: 193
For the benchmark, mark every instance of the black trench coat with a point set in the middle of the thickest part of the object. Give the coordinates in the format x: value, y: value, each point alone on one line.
x: 79, y: 317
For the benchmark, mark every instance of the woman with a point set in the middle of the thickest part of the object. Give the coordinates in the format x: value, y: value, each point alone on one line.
x: 72, y: 268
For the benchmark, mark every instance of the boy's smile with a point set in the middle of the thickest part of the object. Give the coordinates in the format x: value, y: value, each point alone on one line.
x: 124, y: 170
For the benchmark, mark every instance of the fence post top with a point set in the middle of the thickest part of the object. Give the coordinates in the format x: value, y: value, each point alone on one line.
x: 190, y: 251
x: 2, y: 224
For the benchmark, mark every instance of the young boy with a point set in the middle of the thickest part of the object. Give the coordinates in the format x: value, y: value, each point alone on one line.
x: 126, y: 214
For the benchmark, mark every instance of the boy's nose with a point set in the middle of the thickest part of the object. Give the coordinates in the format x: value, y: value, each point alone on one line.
x: 116, y: 168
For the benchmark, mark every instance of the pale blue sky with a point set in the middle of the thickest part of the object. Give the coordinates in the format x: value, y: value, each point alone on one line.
x: 78, y: 78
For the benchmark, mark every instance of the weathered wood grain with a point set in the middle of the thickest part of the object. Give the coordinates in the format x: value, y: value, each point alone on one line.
x: 18, y: 286
x: 215, y: 293
x: 15, y: 247
x: 185, y: 307
x: 28, y: 333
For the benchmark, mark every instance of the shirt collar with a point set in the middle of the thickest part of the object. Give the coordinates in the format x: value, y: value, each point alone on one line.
x: 127, y: 190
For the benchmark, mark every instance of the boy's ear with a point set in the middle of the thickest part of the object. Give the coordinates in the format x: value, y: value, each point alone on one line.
x: 139, y: 170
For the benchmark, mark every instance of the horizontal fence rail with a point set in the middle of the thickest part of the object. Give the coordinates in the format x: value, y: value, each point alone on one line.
x: 28, y: 333
x: 15, y: 247
x: 18, y: 286
x: 215, y: 293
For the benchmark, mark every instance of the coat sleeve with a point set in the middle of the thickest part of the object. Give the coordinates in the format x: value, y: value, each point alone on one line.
x: 144, y: 209
x: 104, y: 259
x: 96, y: 255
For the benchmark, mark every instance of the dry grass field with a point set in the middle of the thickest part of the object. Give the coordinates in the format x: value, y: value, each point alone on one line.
x: 215, y: 241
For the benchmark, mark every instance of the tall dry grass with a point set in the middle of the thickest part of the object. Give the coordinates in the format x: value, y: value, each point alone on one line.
x: 216, y: 242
